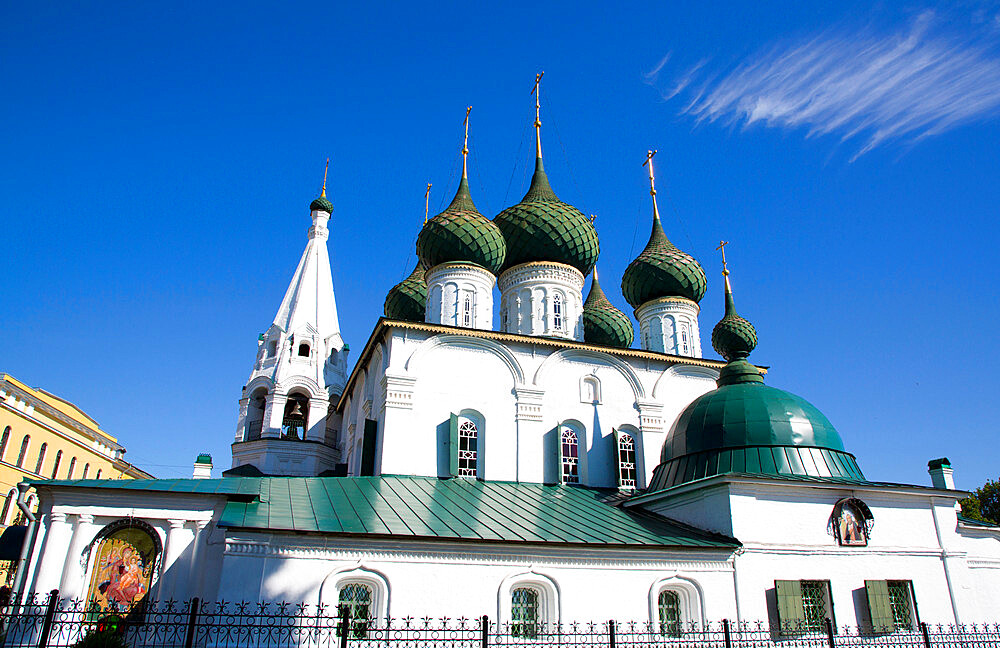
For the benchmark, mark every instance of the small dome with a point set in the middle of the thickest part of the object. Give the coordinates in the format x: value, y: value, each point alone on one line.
x: 543, y: 228
x: 408, y: 299
x: 604, y: 324
x: 321, y: 204
x: 461, y: 233
x: 733, y: 337
x: 662, y: 270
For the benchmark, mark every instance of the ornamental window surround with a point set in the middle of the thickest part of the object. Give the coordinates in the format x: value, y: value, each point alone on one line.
x: 525, y: 608
x: 468, y: 448
x: 356, y: 600
x: 467, y: 311
x: 570, y: 469
x: 557, y: 318
x: 668, y: 607
x: 626, y: 460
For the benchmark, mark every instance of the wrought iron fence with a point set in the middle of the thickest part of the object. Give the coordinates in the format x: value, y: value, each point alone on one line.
x: 48, y: 622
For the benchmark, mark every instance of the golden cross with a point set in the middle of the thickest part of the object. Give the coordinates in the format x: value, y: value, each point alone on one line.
x: 649, y: 161
x: 593, y: 217
x: 323, y: 194
x: 722, y: 248
x: 536, y: 90
x: 427, y: 202
x: 465, y: 145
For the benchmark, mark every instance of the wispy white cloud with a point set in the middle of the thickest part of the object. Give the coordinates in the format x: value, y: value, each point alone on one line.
x: 917, y: 82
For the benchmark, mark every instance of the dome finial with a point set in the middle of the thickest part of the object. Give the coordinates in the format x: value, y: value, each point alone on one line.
x: 465, y: 145
x: 322, y: 203
x: 652, y: 181
x: 536, y: 90
x: 427, y: 202
x: 322, y: 193
x: 734, y: 337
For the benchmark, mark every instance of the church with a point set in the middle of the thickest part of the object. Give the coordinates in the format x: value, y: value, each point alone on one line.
x: 524, y: 458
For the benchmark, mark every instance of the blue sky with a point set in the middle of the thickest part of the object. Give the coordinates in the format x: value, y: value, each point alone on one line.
x: 157, y: 163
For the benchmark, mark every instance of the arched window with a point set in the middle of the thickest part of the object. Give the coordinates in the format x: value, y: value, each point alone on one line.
x: 72, y: 467
x: 293, y: 424
x: 626, y: 460
x: 24, y: 450
x: 356, y: 601
x: 468, y: 441
x: 41, y: 458
x: 125, y: 554
x: 303, y: 350
x: 668, y: 606
x: 98, y: 475
x: 557, y: 319
x: 570, y: 456
x: 467, y: 311
x: 11, y: 497
x: 86, y: 469
x: 524, y: 612
x: 685, y: 347
x: 55, y: 466
x: 503, y: 317
x: 3, y: 441
x: 272, y: 348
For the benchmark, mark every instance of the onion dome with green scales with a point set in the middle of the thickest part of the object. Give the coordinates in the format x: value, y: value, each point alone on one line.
x: 661, y: 269
x: 604, y: 324
x: 745, y: 426
x: 408, y: 299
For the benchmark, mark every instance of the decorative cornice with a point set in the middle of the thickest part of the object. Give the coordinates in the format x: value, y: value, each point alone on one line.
x: 540, y: 271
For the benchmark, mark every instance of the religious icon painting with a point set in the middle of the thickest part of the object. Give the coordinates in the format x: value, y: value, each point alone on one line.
x: 852, y: 522
x: 122, y: 569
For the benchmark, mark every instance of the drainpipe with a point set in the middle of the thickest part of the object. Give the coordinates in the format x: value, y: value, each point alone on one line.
x: 29, y: 541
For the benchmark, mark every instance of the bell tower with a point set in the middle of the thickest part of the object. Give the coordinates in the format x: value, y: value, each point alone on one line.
x: 285, y: 424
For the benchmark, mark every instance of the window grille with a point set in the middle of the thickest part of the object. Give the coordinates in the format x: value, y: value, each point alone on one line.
x: 899, y: 603
x: 41, y: 458
x: 467, y: 312
x: 814, y: 604
x: 356, y: 600
x: 467, y: 448
x: 626, y: 461
x: 669, y: 606
x: 570, y: 457
x: 524, y: 612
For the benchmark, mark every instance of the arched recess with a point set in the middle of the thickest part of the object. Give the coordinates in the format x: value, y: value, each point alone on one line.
x: 335, y: 581
x: 685, y: 371
x: 290, y: 383
x: 586, y: 354
x: 123, y: 561
x: 690, y: 595
x: 460, y: 341
x: 478, y: 422
x: 583, y: 443
x: 550, y: 611
x: 640, y: 453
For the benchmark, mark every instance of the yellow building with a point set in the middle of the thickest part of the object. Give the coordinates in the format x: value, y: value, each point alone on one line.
x: 46, y: 437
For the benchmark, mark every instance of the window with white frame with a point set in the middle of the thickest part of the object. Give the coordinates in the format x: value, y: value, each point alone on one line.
x: 467, y: 311
x: 525, y: 612
x: 626, y: 460
x: 668, y: 608
x: 468, y: 451
x: 570, y: 444
x: 356, y: 601
x: 685, y: 345
x: 557, y: 312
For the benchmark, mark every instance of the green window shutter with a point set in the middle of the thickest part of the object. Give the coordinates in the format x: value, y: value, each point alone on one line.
x: 878, y: 605
x: 618, y: 455
x: 789, y: 598
x: 453, y: 446
x: 368, y: 448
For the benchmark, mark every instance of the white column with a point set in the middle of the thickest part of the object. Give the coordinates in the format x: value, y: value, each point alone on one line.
x: 316, y: 425
x: 530, y: 458
x: 72, y: 585
x: 169, y: 578
x: 273, y: 416
x: 54, y: 553
x: 195, y: 580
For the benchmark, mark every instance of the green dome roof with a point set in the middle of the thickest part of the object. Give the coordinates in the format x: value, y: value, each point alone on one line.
x: 745, y: 426
x: 662, y: 270
x: 461, y: 233
x: 604, y: 324
x: 408, y: 299
x: 543, y: 228
x: 321, y: 204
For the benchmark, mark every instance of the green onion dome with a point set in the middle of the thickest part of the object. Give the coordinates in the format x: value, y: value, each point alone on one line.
x: 745, y: 426
x: 321, y: 204
x: 604, y: 324
x: 662, y: 270
x: 408, y: 299
x: 543, y: 228
x: 461, y: 233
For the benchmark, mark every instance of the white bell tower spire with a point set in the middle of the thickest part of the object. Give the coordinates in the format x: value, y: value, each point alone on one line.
x: 284, y: 427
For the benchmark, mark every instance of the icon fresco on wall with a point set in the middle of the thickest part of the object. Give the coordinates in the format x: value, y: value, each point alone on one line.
x: 852, y: 522
x: 122, y: 569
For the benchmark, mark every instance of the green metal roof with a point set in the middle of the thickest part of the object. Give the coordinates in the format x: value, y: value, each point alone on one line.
x: 427, y: 507
x: 603, y: 323
x: 408, y: 299
x: 321, y: 204
x: 662, y: 270
x: 733, y: 337
x: 461, y: 233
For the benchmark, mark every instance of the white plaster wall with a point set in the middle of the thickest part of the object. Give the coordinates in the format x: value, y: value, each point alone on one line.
x: 670, y: 325
x: 527, y: 298
x: 448, y: 287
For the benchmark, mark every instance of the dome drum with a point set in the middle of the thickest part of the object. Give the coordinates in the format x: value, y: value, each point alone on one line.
x: 460, y: 294
x: 670, y: 325
x: 542, y: 298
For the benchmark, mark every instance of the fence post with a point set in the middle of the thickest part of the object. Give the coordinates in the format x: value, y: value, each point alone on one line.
x: 611, y: 633
x: 829, y: 631
x: 345, y: 625
x: 485, y: 631
x: 192, y: 619
x: 50, y: 612
x: 725, y: 633
x: 927, y: 636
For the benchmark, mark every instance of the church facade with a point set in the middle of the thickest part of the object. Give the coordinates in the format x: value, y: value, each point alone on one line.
x: 523, y: 460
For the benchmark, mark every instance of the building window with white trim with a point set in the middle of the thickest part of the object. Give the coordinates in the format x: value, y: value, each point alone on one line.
x: 356, y: 601
x: 626, y: 461
x: 468, y: 451
x: 570, y: 443
x: 525, y: 612
x: 467, y: 311
x: 557, y: 312
x: 685, y: 346
x: 668, y: 607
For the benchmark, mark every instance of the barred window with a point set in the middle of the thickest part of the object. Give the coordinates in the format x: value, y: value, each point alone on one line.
x: 899, y: 604
x: 557, y: 312
x: 669, y: 606
x: 355, y: 601
x: 467, y: 448
x: 814, y: 604
x: 570, y: 456
x: 626, y: 461
x: 524, y: 612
